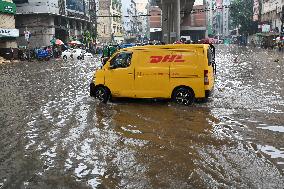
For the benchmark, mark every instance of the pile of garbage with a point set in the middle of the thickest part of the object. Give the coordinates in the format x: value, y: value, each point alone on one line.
x: 2, y: 60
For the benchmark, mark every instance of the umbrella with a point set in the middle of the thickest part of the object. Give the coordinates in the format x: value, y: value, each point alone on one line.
x: 75, y: 42
x: 58, y: 42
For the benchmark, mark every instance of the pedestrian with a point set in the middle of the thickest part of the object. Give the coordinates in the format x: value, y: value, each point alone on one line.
x: 11, y: 53
x: 20, y: 54
x: 252, y: 43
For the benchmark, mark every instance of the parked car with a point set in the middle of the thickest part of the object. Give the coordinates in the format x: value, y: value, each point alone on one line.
x: 88, y: 55
x: 126, y: 45
x: 72, y: 54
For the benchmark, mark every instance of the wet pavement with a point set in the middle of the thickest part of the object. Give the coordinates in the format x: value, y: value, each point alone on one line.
x: 53, y: 135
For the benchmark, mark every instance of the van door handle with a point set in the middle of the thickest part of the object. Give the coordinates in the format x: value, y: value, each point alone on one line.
x: 130, y: 73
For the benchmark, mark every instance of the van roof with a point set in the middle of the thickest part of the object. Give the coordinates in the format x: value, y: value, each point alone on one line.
x: 169, y: 46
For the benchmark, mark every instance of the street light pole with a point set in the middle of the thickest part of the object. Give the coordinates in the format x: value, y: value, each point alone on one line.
x: 93, y: 20
x: 282, y: 20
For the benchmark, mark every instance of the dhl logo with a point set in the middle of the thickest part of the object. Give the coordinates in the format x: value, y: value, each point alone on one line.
x: 167, y: 58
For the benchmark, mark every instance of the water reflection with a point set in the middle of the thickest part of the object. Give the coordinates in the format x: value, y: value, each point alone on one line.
x: 54, y: 135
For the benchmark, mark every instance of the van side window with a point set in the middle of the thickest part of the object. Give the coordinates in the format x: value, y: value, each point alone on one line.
x: 121, y: 60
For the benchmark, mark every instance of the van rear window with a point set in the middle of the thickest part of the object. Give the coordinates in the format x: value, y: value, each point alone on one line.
x: 211, y: 55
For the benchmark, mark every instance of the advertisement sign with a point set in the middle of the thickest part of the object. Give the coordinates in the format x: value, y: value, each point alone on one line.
x: 27, y: 35
x: 76, y: 5
x: 173, y: 34
x: 9, y: 32
x: 155, y: 30
x: 7, y: 7
x: 265, y: 28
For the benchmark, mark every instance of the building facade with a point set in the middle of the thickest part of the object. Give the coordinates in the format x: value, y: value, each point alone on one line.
x: 143, y: 10
x: 194, y: 24
x: 225, y: 18
x: 271, y: 13
x: 209, y: 16
x: 218, y: 18
x: 8, y: 32
x: 155, y: 23
x: 47, y: 19
x: 131, y: 22
x: 109, y: 20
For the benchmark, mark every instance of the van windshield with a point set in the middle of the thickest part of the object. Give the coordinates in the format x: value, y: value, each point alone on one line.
x: 121, y: 60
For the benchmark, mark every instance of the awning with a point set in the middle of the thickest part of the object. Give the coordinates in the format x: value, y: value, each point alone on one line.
x: 268, y: 34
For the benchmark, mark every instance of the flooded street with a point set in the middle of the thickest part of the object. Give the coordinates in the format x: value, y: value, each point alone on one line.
x: 54, y: 135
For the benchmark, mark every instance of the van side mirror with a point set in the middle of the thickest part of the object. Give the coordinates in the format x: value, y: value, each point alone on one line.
x: 112, y: 66
x: 105, y: 60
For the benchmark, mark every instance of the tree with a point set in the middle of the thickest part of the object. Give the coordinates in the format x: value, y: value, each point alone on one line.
x: 242, y: 16
x: 88, y: 38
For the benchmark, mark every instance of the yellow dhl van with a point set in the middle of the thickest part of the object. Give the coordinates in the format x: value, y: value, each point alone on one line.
x: 182, y: 72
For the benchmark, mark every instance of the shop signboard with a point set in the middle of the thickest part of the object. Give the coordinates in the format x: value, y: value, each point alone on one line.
x: 265, y: 28
x: 7, y: 7
x: 27, y: 35
x: 9, y: 32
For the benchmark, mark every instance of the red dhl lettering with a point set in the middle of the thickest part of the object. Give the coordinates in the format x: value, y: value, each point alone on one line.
x: 167, y: 58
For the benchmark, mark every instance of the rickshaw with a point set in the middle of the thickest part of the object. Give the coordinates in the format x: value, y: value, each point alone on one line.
x: 268, y: 40
x: 42, y: 54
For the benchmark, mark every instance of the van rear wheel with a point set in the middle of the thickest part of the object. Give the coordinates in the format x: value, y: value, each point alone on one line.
x: 102, y: 94
x: 183, y: 96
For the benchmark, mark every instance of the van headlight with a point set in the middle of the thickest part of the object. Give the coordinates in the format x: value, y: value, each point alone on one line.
x: 94, y: 77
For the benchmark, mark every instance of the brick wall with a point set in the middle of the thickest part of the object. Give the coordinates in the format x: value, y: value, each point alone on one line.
x: 197, y: 19
x: 155, y: 18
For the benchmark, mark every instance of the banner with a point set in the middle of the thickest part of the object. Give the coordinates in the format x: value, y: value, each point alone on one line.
x: 9, y: 32
x: 7, y: 7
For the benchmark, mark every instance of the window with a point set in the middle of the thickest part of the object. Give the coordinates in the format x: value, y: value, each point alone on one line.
x: 211, y: 55
x: 121, y: 60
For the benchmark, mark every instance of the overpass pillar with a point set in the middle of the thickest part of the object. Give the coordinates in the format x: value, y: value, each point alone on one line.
x: 177, y: 20
x: 170, y: 20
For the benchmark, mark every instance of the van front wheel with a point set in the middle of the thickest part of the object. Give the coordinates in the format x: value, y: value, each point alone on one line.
x: 183, y: 96
x: 102, y: 94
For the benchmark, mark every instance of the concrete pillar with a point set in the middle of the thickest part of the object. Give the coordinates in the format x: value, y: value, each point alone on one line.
x: 170, y: 22
x: 177, y: 24
x: 165, y: 22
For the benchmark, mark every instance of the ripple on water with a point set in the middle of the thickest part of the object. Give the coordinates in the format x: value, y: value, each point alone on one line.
x: 273, y: 152
x: 279, y: 129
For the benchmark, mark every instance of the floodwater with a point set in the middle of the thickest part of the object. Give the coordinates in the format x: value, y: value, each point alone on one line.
x: 53, y: 135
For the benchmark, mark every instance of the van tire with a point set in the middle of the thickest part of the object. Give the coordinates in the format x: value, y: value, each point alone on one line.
x: 183, y: 96
x: 102, y: 94
x: 92, y: 90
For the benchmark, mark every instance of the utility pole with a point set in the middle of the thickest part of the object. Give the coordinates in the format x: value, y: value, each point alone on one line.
x: 93, y: 19
x: 282, y: 20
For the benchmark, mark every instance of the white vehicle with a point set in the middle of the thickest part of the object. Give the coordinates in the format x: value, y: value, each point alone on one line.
x: 72, y: 54
x: 88, y: 55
